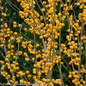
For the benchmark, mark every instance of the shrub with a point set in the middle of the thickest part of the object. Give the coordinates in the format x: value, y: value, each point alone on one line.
x: 44, y: 44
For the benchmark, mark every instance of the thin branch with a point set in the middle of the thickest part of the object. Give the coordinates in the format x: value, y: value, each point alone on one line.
x: 11, y: 6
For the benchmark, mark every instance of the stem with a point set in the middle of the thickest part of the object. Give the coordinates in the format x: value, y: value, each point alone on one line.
x: 85, y: 49
x: 60, y: 52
